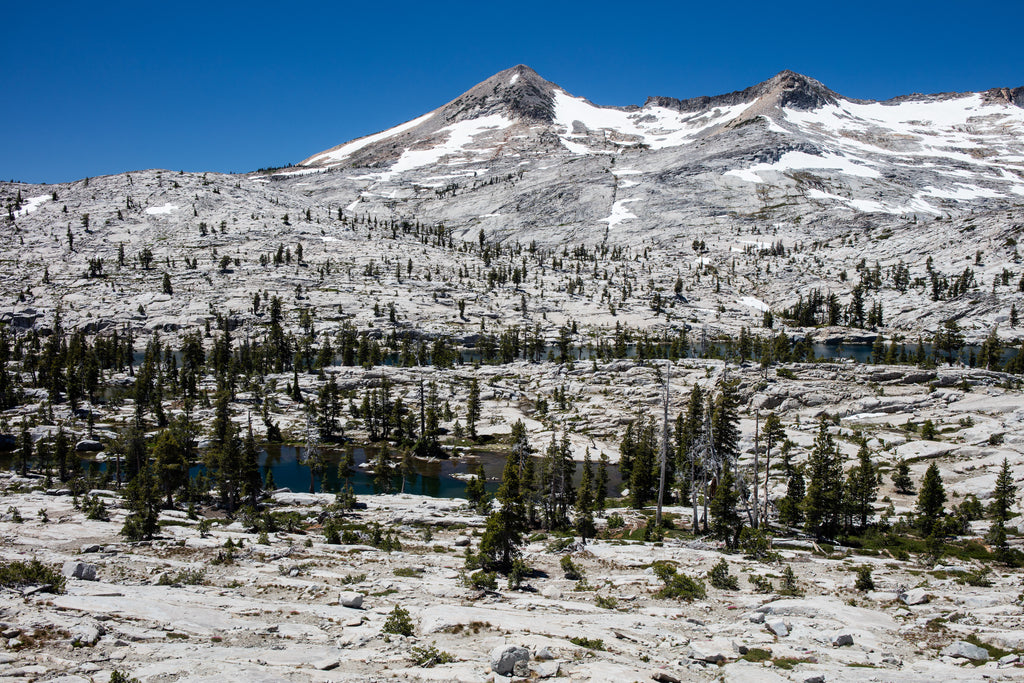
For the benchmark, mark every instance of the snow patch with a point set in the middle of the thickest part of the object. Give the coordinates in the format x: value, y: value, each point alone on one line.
x: 350, y: 148
x: 753, y: 303
x: 459, y: 136
x: 31, y: 205
x: 161, y: 210
x: 620, y: 213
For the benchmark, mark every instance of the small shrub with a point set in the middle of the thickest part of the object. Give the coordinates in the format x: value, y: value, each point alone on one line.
x: 32, y: 573
x: 606, y: 602
x: 429, y: 656
x: 118, y: 676
x: 615, y: 521
x: 678, y: 586
x: 185, y: 577
x: 589, y: 643
x: 789, y: 586
x: 864, y: 581
x: 483, y: 580
x: 569, y: 568
x: 353, y: 578
x: 406, y: 571
x: 399, y: 622
x: 761, y: 584
x: 517, y: 573
x: 720, y: 578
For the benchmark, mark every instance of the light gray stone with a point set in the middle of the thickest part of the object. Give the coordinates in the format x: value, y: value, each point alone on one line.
x: 964, y: 650
x: 663, y: 676
x: 915, y: 596
x: 777, y: 627
x: 85, y: 635
x: 505, y: 657
x: 327, y: 664
x: 79, y: 570
x: 547, y: 669
x: 544, y: 655
x: 351, y: 599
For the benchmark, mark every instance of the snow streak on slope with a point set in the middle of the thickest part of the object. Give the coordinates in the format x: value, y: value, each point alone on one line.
x: 460, y: 137
x: 656, y: 127
x: 340, y: 153
x: 31, y: 205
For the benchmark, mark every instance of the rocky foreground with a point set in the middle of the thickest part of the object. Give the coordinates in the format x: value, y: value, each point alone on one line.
x: 203, y: 604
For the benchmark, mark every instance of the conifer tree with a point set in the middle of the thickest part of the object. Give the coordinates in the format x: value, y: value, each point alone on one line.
x: 502, y: 540
x: 727, y: 523
x: 601, y: 487
x: 1000, y: 509
x: 585, y: 495
x: 930, y: 501
x: 169, y: 464
x: 791, y: 506
x: 772, y: 433
x: 142, y: 498
x: 901, y: 477
x: 862, y: 486
x: 473, y: 407
x: 823, y: 502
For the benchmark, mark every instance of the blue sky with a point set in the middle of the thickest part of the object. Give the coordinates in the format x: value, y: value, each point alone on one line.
x: 96, y: 88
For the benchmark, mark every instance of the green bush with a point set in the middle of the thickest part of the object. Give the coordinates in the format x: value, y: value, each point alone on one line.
x: 589, y: 643
x: 864, y: 581
x: 32, y: 573
x: 428, y: 656
x: 720, y: 578
x: 761, y: 584
x: 569, y: 568
x: 484, y: 580
x: 678, y: 586
x: 615, y: 521
x: 399, y: 622
x: 606, y: 602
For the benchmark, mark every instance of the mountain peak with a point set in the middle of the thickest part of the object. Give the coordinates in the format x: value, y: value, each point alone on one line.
x: 795, y: 91
x: 518, y: 93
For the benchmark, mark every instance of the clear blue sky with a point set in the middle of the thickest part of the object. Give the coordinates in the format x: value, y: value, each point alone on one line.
x: 104, y: 87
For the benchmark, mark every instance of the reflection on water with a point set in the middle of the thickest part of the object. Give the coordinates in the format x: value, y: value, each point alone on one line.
x: 434, y: 478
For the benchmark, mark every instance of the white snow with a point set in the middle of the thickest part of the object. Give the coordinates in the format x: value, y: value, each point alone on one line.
x: 459, y: 136
x: 620, y: 213
x: 31, y: 205
x: 793, y: 161
x: 348, y: 149
x: 512, y: 81
x: 753, y: 303
x: 574, y: 147
x: 960, y: 192
x: 161, y: 210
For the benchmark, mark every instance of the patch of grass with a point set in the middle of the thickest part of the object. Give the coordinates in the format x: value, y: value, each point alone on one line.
x: 757, y: 654
x: 788, y: 663
x: 353, y: 578
x: 407, y: 571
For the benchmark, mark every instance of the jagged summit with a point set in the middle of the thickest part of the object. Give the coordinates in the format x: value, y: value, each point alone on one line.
x: 518, y: 93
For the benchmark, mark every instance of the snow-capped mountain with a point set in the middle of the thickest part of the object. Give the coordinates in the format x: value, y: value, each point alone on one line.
x: 911, y: 155
x: 841, y: 184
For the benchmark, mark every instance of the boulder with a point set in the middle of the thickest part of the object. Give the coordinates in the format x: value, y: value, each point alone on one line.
x: 351, y: 599
x: 547, y: 669
x: 85, y: 635
x: 91, y: 548
x: 79, y: 570
x: 842, y: 640
x: 461, y: 541
x: 505, y: 657
x: 915, y: 596
x: 663, y: 676
x: 88, y: 446
x: 544, y: 655
x: 777, y: 627
x: 964, y: 650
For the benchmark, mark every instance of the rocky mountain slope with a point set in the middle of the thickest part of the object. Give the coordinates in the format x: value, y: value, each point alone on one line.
x: 695, y: 190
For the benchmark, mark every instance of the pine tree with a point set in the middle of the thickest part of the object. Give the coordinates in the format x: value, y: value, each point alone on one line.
x: 862, y: 485
x: 142, y: 498
x: 727, y: 523
x: 1003, y: 498
x: 823, y: 502
x: 930, y: 501
x: 585, y: 495
x: 773, y: 433
x: 476, y: 492
x: 24, y: 449
x: 473, y: 407
x: 601, y: 487
x: 502, y: 540
x: 901, y: 477
x: 169, y: 464
x: 791, y: 506
x: 167, y: 289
